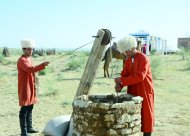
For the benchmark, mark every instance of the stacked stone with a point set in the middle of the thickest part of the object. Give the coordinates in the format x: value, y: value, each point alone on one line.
x: 107, y: 115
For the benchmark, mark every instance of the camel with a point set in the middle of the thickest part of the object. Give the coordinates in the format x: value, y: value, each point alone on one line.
x: 109, y: 54
x: 115, y: 54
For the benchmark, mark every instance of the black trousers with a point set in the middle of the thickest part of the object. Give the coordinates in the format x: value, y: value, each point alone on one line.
x: 24, y: 110
x: 147, y: 134
x: 25, y: 117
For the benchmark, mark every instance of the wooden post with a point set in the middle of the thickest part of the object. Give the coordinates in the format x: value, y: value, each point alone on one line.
x: 90, y: 69
x: 91, y: 65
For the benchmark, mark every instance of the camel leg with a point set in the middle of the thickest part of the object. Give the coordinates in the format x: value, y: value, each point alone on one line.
x: 104, y: 71
x: 107, y: 72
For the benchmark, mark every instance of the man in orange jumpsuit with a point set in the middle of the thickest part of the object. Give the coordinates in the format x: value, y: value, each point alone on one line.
x: 26, y: 86
x: 136, y: 74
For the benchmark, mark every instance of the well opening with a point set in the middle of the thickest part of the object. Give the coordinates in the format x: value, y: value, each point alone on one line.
x: 107, y: 115
x: 111, y: 99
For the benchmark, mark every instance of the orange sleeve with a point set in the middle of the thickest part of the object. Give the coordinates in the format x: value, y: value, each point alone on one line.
x: 26, y: 67
x: 139, y: 76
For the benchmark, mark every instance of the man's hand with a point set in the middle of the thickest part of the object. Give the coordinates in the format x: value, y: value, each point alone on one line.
x: 118, y: 87
x: 117, y: 80
x: 46, y: 63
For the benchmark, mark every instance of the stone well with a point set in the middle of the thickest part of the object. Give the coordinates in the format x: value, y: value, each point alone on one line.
x: 107, y: 115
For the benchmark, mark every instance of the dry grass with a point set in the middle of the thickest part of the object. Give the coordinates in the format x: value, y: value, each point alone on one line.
x: 59, y: 85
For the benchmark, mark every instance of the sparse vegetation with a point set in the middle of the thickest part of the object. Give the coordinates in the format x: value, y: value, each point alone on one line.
x: 2, y: 58
x: 156, y: 66
x: 59, y: 84
x: 76, y: 62
x: 153, y: 52
x: 42, y: 72
x: 183, y: 53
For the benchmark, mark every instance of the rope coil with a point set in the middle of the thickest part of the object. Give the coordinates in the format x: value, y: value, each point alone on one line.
x: 107, y: 37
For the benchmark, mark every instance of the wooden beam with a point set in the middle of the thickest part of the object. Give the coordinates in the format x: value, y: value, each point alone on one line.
x: 91, y: 65
x: 90, y: 69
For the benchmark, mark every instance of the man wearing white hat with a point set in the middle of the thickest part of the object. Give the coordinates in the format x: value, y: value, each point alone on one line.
x: 26, y: 86
x: 137, y: 75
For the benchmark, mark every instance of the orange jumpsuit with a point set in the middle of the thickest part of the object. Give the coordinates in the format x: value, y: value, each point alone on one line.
x: 26, y: 80
x: 137, y: 76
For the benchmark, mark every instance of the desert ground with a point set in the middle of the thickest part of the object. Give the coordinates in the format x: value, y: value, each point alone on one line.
x: 59, y: 82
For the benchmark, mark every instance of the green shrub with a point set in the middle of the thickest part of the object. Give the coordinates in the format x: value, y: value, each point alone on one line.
x: 155, y: 67
x: 188, y: 64
x: 153, y: 52
x: 76, y: 62
x: 83, y: 53
x: 2, y: 58
x: 68, y: 52
x: 183, y: 53
x: 44, y: 71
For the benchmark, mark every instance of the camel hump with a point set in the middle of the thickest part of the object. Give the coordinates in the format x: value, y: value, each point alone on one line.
x: 114, y: 46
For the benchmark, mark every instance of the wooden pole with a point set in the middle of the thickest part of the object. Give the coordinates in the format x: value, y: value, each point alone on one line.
x: 90, y: 69
x: 91, y: 65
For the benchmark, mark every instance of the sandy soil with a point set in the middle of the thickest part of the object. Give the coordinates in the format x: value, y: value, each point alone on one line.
x: 172, y: 107
x: 172, y: 117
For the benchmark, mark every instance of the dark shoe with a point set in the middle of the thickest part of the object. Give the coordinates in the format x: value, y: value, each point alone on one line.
x: 29, y: 123
x: 24, y: 134
x: 31, y: 130
x: 147, y: 134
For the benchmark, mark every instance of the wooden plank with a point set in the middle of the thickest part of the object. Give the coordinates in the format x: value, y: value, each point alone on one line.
x: 90, y: 69
x: 91, y: 65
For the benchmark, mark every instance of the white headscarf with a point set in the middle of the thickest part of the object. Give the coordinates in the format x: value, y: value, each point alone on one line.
x: 127, y: 43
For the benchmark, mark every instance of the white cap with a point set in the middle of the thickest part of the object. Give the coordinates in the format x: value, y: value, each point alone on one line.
x: 127, y: 43
x: 27, y: 43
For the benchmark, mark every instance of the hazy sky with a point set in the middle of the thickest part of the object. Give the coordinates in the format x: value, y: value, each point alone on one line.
x: 72, y: 23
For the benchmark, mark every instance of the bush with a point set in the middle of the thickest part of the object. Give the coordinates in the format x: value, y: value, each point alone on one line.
x: 2, y: 58
x: 68, y: 52
x: 183, y: 53
x: 188, y: 64
x: 44, y: 71
x: 153, y: 52
x: 155, y: 67
x: 76, y: 62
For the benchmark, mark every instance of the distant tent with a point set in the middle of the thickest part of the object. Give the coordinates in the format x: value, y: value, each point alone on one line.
x: 150, y: 42
x: 140, y: 34
x: 144, y: 36
x: 6, y: 52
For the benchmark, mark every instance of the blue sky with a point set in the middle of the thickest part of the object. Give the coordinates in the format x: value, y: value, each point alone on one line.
x: 72, y: 23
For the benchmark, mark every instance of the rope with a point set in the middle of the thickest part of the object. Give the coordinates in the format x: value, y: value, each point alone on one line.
x: 83, y: 45
x: 107, y: 37
x: 71, y: 51
x: 106, y: 40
